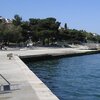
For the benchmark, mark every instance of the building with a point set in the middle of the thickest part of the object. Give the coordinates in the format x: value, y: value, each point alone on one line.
x: 8, y: 21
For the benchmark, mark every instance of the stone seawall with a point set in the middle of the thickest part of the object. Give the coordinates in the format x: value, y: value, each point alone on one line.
x: 56, y: 55
x: 41, y: 90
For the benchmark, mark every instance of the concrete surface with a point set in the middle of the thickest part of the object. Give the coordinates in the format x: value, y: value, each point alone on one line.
x: 25, y: 85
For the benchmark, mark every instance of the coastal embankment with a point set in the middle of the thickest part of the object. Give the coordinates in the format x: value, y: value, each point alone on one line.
x: 18, y: 82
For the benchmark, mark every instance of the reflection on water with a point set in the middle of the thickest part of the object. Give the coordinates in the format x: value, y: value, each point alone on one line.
x: 75, y: 78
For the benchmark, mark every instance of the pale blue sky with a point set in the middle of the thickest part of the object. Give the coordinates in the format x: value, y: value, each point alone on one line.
x: 78, y: 14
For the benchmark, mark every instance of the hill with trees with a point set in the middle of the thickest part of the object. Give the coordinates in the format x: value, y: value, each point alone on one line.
x: 45, y: 31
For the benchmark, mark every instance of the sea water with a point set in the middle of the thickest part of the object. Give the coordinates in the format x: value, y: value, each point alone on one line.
x: 71, y: 78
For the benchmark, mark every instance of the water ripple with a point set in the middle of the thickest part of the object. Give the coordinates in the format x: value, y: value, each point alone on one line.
x: 74, y: 78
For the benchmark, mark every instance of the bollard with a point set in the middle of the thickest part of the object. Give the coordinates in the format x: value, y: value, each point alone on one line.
x: 10, y: 55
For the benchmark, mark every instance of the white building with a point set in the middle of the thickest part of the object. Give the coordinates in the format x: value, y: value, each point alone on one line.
x: 5, y: 20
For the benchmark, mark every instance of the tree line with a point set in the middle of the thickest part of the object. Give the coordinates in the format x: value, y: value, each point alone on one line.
x: 47, y: 31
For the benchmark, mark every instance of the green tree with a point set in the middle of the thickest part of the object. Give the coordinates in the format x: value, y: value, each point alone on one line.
x: 17, y: 20
x: 12, y: 33
x: 65, y: 26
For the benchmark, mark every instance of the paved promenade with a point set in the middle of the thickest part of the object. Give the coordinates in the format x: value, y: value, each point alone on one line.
x: 20, y: 87
x: 24, y: 84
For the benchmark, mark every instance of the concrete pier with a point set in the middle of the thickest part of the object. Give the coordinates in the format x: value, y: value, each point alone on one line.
x: 24, y: 84
x: 20, y: 88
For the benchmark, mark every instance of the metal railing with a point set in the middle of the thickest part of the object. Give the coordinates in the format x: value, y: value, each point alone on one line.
x: 5, y: 88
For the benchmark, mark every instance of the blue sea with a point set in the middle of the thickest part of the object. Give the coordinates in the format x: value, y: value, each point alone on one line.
x: 71, y: 78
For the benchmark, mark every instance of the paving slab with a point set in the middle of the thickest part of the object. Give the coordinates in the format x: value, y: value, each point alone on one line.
x: 20, y: 88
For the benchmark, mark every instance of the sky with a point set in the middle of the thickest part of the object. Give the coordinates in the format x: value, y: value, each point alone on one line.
x: 78, y: 14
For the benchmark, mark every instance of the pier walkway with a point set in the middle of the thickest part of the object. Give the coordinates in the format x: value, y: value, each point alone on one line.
x: 18, y: 82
